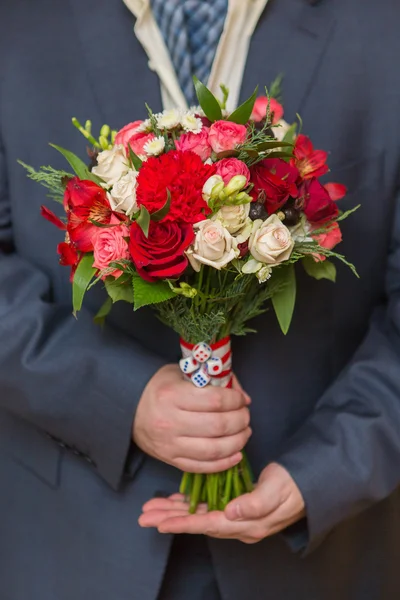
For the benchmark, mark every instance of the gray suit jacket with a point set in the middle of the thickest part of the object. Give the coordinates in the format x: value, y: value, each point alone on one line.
x: 326, y: 400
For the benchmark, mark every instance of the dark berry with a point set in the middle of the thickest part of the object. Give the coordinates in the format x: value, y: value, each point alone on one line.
x: 257, y: 211
x: 292, y: 216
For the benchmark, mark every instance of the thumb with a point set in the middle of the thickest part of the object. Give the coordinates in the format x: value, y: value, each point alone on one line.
x: 256, y: 505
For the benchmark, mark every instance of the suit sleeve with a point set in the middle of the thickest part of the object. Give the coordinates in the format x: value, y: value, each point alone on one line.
x: 72, y: 380
x: 347, y: 454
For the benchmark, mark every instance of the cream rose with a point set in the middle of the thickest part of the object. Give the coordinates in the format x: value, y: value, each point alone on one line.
x: 123, y: 195
x: 111, y: 164
x: 213, y: 246
x: 234, y: 218
x: 270, y: 242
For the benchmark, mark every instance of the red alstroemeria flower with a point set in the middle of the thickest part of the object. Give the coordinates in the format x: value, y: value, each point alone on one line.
x: 317, y: 203
x: 336, y: 191
x: 52, y: 218
x: 84, y: 202
x: 69, y: 257
x: 310, y: 162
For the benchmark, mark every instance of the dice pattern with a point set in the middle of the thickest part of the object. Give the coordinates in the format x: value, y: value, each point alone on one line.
x: 202, y: 352
x: 201, y: 367
x: 201, y: 378
x: 188, y: 365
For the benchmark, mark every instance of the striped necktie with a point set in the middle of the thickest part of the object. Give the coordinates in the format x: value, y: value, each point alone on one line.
x: 191, y: 30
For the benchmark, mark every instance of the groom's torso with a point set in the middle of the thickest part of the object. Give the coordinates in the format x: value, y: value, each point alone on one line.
x: 81, y: 58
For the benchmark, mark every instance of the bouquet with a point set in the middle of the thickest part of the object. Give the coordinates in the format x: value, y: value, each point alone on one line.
x: 202, y: 215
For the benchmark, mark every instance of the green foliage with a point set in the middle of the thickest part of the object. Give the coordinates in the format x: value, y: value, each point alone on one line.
x: 242, y: 114
x: 191, y: 325
x: 52, y: 179
x: 146, y: 292
x: 134, y: 159
x: 290, y: 135
x: 120, y: 289
x: 78, y: 165
x: 143, y: 220
x: 347, y: 213
x: 319, y: 270
x: 275, y: 89
x: 310, y: 248
x: 100, y: 317
x: 284, y: 300
x: 207, y: 101
x: 83, y: 276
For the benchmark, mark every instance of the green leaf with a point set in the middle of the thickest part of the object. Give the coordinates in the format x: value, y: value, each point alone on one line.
x: 284, y: 299
x: 275, y: 89
x: 242, y: 114
x: 146, y: 292
x: 164, y: 210
x: 134, y: 159
x: 78, y: 165
x: 319, y: 270
x: 290, y: 135
x: 271, y: 144
x: 143, y: 220
x: 119, y: 289
x: 278, y: 154
x: 100, y: 317
x: 83, y: 276
x: 207, y: 101
x: 227, y: 154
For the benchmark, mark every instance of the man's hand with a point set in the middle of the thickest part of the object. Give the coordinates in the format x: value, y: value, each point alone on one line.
x: 195, y: 430
x: 275, y: 504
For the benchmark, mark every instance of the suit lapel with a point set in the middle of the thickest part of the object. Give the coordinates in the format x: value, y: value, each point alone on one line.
x: 291, y: 38
x: 117, y: 66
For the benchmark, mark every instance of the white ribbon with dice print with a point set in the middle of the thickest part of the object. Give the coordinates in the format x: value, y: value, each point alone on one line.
x: 205, y: 364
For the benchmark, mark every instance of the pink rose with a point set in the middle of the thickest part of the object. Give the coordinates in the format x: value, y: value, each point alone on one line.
x: 110, y: 246
x: 260, y: 110
x: 229, y: 167
x: 329, y: 240
x: 196, y: 142
x: 138, y: 141
x: 124, y: 134
x: 224, y: 135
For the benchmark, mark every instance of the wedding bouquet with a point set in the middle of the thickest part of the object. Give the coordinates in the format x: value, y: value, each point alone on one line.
x: 202, y: 215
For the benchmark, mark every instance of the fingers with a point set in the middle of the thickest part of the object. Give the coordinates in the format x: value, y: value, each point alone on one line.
x: 197, y: 466
x: 204, y: 449
x: 211, y: 399
x: 213, y: 524
x: 237, y: 386
x: 213, y: 425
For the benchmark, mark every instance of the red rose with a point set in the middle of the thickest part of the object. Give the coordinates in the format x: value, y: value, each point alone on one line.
x: 318, y: 205
x: 310, y: 162
x: 162, y: 254
x: 184, y: 175
x: 85, y: 201
x: 275, y: 179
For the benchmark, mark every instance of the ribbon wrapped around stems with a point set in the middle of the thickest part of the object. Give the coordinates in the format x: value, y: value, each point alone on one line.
x: 211, y: 364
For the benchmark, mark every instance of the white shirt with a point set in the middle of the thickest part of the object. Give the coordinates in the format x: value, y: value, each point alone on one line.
x: 230, y: 59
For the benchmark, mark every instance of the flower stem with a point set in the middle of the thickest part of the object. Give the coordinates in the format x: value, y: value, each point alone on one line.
x: 195, y: 492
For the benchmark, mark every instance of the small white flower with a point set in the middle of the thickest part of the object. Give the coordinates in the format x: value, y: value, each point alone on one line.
x: 264, y: 273
x: 146, y: 126
x: 155, y: 147
x: 123, y: 195
x: 252, y: 266
x: 169, y: 119
x: 300, y: 232
x: 191, y: 123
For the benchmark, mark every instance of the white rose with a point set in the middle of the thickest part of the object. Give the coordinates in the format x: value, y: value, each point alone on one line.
x: 270, y: 241
x: 169, y: 119
x: 123, y: 195
x: 280, y: 129
x: 210, y: 184
x: 111, y: 165
x: 234, y: 218
x: 155, y: 147
x: 213, y: 246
